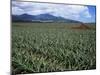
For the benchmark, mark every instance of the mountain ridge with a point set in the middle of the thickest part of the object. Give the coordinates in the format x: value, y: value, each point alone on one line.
x: 41, y: 18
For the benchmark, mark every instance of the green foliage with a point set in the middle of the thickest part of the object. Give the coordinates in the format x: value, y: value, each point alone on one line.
x: 49, y: 47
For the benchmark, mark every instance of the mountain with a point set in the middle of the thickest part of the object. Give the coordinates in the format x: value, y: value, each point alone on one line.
x: 40, y: 18
x: 23, y: 17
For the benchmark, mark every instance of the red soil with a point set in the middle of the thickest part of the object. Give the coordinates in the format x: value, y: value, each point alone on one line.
x: 82, y: 26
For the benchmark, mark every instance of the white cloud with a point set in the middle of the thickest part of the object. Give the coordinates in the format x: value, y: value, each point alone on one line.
x: 17, y: 11
x: 87, y: 14
x: 66, y: 11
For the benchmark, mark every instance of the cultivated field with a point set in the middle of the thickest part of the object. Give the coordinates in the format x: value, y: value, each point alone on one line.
x: 49, y: 47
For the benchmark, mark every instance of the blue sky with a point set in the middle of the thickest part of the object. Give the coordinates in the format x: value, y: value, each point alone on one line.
x: 75, y: 12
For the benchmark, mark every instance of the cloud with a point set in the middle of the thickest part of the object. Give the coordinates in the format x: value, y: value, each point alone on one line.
x: 62, y: 10
x: 17, y: 11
